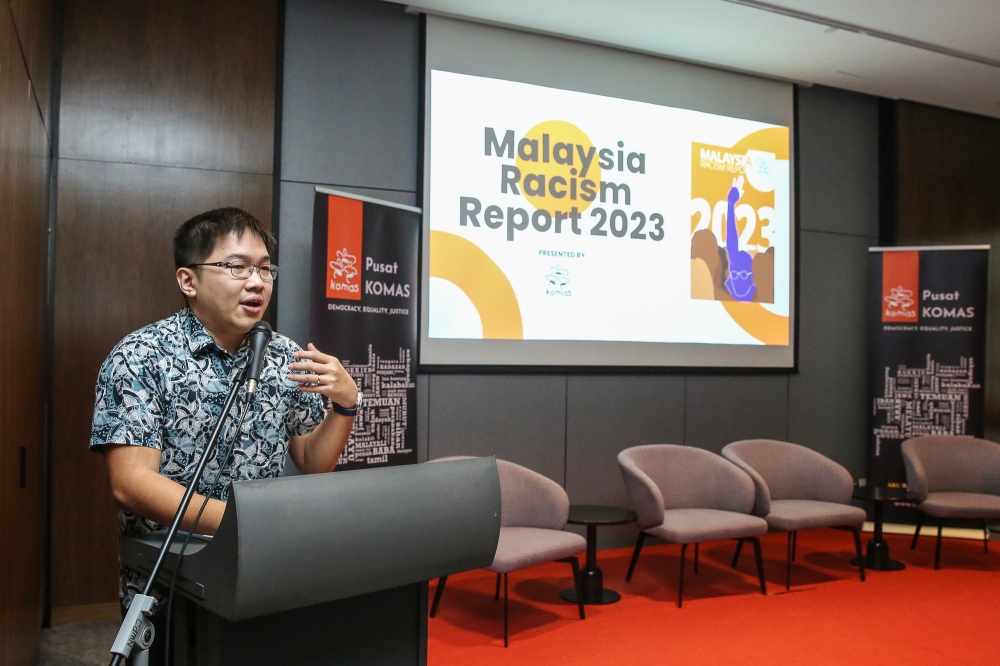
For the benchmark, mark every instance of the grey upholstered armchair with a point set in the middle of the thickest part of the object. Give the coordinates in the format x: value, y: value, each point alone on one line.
x: 797, y: 488
x: 533, y: 517
x: 686, y: 495
x: 956, y: 478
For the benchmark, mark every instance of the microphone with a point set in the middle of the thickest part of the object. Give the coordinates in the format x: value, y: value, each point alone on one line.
x: 259, y: 335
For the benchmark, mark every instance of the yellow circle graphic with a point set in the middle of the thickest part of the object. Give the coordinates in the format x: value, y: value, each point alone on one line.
x: 560, y: 168
x: 464, y: 264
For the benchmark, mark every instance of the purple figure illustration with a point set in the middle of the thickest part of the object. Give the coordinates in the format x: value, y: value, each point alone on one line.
x: 740, y: 281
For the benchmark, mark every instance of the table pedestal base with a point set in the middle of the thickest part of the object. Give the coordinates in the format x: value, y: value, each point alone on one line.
x: 877, y: 557
x: 591, y: 576
x: 592, y: 582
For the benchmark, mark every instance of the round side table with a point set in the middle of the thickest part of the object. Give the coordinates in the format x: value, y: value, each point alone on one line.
x: 877, y: 555
x: 594, y: 515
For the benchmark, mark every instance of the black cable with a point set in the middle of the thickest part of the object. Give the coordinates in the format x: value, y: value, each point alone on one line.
x: 194, y: 525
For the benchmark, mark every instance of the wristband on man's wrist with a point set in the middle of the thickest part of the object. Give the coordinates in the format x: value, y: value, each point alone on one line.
x: 349, y: 411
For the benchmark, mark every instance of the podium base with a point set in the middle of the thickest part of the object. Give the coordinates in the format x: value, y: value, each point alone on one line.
x: 387, y: 627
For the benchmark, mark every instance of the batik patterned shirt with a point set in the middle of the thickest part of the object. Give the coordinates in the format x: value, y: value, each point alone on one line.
x: 164, y: 387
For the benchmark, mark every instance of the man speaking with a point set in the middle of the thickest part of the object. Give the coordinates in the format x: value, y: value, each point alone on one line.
x: 162, y: 388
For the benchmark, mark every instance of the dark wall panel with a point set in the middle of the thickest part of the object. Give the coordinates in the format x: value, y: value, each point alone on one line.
x: 949, y: 167
x: 828, y: 398
x: 517, y: 418
x: 423, y: 414
x: 607, y: 414
x: 351, y: 94
x: 24, y: 160
x: 839, y: 214
x: 181, y: 83
x: 838, y: 161
x: 720, y: 409
x: 114, y: 274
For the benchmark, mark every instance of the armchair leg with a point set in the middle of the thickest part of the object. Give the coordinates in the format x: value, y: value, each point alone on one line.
x: 635, y: 555
x: 788, y: 564
x: 937, y: 550
x: 496, y: 597
x: 795, y: 543
x: 739, y: 547
x: 856, y: 531
x: 916, y: 532
x: 680, y: 587
x: 505, y: 610
x: 437, y: 594
x: 986, y: 536
x: 696, y: 558
x: 755, y: 542
x: 577, y: 583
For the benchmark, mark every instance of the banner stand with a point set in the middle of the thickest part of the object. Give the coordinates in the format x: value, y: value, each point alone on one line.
x: 363, y: 310
x: 927, y: 343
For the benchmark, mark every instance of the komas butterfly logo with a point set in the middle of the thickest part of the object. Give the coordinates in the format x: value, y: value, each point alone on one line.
x: 558, y: 277
x: 344, y: 267
x: 900, y: 298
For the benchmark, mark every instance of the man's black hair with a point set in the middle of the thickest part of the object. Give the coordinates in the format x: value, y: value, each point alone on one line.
x: 195, y: 240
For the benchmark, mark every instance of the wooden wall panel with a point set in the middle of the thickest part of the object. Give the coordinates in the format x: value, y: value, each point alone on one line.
x: 10, y: 128
x: 33, y: 23
x: 949, y: 171
x: 23, y: 253
x: 181, y: 83
x: 167, y: 110
x: 114, y: 274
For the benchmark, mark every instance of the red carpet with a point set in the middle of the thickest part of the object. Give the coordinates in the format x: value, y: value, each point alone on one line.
x: 916, y: 616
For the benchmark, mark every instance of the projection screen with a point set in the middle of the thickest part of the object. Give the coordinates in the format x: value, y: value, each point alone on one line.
x: 585, y: 206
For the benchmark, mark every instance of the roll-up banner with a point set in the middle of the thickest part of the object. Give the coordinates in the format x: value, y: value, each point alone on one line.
x: 363, y: 309
x: 927, y: 343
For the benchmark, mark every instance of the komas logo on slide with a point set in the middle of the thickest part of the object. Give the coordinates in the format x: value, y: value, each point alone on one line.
x: 558, y: 278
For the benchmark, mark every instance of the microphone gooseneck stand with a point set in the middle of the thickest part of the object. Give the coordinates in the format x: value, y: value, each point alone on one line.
x: 187, y: 539
x: 136, y: 630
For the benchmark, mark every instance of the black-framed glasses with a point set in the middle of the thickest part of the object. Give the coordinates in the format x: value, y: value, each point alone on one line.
x: 242, y: 270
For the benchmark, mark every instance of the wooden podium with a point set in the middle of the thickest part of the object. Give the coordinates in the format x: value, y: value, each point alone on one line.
x: 328, y: 568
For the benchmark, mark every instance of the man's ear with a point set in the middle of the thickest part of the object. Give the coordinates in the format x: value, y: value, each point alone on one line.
x: 187, y: 282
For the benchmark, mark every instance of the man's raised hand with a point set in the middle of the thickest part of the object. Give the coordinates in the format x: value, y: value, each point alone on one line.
x: 316, y: 372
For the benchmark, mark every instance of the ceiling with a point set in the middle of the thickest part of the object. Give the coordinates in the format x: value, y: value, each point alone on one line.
x: 941, y: 53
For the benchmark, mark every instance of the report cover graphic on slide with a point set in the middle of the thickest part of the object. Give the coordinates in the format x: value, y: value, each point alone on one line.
x: 561, y: 215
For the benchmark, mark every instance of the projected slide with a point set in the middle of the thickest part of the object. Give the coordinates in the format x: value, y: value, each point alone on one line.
x: 560, y: 215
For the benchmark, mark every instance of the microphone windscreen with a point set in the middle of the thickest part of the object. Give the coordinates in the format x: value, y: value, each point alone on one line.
x: 261, y: 326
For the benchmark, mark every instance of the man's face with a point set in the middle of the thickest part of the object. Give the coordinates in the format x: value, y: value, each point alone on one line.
x: 226, y: 305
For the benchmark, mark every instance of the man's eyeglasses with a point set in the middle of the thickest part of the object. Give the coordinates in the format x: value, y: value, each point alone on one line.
x: 740, y: 275
x: 242, y: 270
